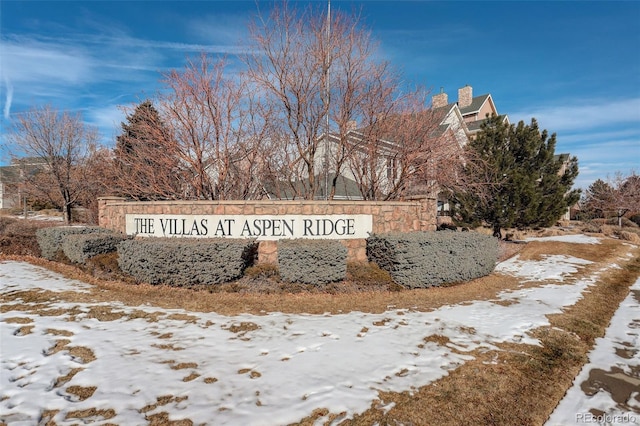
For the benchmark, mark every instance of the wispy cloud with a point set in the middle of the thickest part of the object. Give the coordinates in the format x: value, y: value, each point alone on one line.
x: 7, y: 104
x: 229, y: 30
x: 26, y: 59
x: 582, y: 114
x: 36, y: 67
x: 603, y: 133
x: 106, y: 118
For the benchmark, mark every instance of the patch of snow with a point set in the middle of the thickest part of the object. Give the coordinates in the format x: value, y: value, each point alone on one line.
x: 576, y: 239
x: 42, y: 217
x: 551, y: 267
x: 623, y: 334
x: 20, y: 276
x: 278, y: 372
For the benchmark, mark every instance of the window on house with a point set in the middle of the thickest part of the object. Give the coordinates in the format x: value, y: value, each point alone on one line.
x: 392, y: 169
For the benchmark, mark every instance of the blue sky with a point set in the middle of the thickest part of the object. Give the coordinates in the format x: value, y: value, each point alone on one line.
x: 574, y: 66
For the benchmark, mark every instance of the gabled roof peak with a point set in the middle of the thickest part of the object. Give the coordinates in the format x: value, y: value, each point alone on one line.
x: 476, y: 104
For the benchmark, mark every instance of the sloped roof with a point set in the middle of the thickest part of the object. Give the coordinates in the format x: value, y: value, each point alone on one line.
x: 28, y: 161
x: 345, y: 188
x: 358, y: 141
x: 476, y: 104
x: 9, y: 174
x: 18, y: 169
x: 443, y: 110
x: 475, y: 126
x: 435, y: 115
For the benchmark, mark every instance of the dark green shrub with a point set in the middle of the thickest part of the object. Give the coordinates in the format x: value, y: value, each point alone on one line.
x: 50, y: 239
x: 185, y: 262
x: 635, y: 219
x: 426, y: 259
x: 80, y: 247
x: 314, y: 262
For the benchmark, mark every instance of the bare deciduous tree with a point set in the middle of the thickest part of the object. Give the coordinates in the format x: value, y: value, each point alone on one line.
x: 288, y: 66
x: 362, y: 93
x: 61, y: 141
x: 618, y: 195
x: 215, y: 133
x: 337, y: 110
x: 406, y: 151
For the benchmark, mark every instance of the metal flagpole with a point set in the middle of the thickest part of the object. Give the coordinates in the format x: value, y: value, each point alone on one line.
x: 328, y: 99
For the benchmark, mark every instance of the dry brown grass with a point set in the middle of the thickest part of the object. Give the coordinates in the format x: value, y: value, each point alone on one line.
x: 162, y: 418
x: 632, y: 236
x: 520, y: 384
x: 17, y: 237
x: 374, y: 301
x: 81, y: 392
x: 94, y: 414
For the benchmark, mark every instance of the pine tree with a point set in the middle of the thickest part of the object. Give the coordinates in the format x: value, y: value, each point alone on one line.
x: 147, y: 168
x: 513, y: 178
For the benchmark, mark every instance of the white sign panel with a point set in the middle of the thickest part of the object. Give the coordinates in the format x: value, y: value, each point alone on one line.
x: 261, y: 227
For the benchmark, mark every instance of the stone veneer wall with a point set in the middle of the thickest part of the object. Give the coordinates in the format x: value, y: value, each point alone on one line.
x: 388, y: 216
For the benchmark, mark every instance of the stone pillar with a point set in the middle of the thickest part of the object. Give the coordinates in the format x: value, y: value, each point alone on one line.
x: 267, y: 252
x: 104, y: 218
x: 428, y: 214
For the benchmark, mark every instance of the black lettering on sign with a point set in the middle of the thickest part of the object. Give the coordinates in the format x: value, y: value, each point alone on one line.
x: 307, y: 223
x: 144, y: 225
x: 203, y: 224
x: 287, y: 227
x: 224, y: 227
x: 246, y: 230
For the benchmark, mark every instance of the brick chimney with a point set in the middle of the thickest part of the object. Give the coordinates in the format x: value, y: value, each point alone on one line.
x: 439, y: 100
x: 465, y: 96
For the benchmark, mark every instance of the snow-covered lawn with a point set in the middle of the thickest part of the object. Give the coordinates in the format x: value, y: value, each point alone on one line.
x: 269, y: 369
x: 617, y: 352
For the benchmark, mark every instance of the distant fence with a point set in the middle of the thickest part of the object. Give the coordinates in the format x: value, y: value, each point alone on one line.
x: 268, y: 221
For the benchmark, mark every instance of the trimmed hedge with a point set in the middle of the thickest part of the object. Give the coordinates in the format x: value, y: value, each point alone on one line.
x: 426, y: 259
x: 183, y: 262
x: 314, y: 262
x: 80, y: 247
x: 50, y: 239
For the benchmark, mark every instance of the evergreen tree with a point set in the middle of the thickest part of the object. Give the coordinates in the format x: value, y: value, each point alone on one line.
x: 513, y: 178
x: 146, y: 166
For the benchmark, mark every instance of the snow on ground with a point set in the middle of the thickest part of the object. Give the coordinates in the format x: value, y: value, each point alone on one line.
x: 42, y: 217
x: 614, y: 358
x: 27, y: 277
x: 577, y: 239
x: 551, y: 267
x: 248, y: 369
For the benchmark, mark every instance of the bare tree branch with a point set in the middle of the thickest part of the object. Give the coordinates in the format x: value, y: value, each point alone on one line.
x: 61, y: 141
